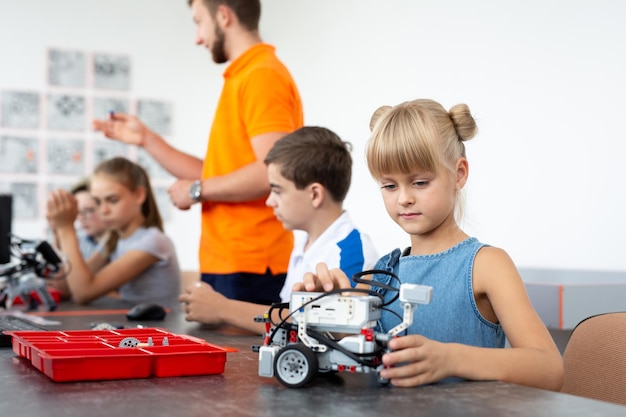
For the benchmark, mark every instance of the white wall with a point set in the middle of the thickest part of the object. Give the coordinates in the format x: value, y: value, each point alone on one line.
x: 159, y: 37
x: 543, y: 78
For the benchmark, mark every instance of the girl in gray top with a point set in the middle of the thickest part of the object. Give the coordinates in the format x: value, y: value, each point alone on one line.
x: 137, y: 258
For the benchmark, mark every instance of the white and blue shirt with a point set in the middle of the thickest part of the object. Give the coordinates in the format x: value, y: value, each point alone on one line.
x: 340, y: 246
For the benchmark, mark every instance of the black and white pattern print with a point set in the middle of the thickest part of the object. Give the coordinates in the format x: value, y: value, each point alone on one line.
x: 66, y: 112
x: 111, y: 72
x: 18, y: 154
x: 102, y: 106
x: 107, y: 149
x: 66, y: 157
x: 25, y: 201
x: 157, y: 115
x: 67, y: 68
x: 20, y: 109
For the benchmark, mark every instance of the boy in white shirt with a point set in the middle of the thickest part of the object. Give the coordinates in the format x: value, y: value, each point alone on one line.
x: 309, y: 173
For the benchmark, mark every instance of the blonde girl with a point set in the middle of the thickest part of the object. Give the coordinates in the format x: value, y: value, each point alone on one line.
x: 416, y: 154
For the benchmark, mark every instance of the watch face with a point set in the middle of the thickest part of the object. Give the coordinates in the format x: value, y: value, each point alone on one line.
x: 195, y: 190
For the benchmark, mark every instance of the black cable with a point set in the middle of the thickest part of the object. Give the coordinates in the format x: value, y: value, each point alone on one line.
x: 326, y: 294
x: 357, y: 279
x: 357, y: 357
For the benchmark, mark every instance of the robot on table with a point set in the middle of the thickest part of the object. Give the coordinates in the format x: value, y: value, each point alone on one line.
x: 302, y: 345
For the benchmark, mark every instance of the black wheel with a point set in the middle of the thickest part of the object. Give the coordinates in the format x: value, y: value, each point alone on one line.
x: 295, y: 365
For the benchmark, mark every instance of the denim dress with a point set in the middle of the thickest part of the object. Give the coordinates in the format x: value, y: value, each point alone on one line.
x: 452, y: 315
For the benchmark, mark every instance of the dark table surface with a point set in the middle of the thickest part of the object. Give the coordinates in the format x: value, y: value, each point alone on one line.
x: 239, y: 391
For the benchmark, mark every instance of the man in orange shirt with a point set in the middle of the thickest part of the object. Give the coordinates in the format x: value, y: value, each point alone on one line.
x: 244, y: 249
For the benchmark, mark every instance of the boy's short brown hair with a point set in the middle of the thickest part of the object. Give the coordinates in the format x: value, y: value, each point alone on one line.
x: 314, y: 154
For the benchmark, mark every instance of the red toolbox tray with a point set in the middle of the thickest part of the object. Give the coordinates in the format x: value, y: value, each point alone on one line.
x: 81, y: 355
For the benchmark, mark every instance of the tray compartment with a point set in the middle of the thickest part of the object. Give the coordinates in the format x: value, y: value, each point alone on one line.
x: 64, y: 365
x: 179, y: 360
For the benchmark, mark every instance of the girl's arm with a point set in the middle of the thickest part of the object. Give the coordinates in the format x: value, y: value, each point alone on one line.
x: 85, y: 284
x: 112, y: 276
x: 532, y: 360
x: 97, y: 261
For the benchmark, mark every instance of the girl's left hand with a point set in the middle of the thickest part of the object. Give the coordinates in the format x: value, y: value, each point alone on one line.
x: 415, y: 360
x: 61, y: 209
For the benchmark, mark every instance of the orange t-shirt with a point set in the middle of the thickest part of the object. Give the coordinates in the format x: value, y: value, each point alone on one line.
x: 259, y: 96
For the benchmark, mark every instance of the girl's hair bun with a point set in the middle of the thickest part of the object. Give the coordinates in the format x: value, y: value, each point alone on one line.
x: 376, y: 116
x: 463, y: 121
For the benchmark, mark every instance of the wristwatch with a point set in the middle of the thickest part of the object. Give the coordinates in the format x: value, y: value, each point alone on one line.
x: 195, y: 191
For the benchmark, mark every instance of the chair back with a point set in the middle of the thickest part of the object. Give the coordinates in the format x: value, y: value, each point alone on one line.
x: 595, y: 358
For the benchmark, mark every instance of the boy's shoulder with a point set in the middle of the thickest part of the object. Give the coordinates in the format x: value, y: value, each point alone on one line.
x: 340, y: 227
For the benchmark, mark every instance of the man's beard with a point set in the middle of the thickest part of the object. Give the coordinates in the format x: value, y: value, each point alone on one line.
x: 217, y: 49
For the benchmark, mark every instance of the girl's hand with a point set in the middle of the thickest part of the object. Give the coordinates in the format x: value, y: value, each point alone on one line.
x: 61, y: 209
x: 324, y: 279
x: 415, y: 360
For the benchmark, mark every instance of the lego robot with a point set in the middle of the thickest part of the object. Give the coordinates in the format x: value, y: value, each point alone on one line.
x: 302, y: 344
x: 35, y: 261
